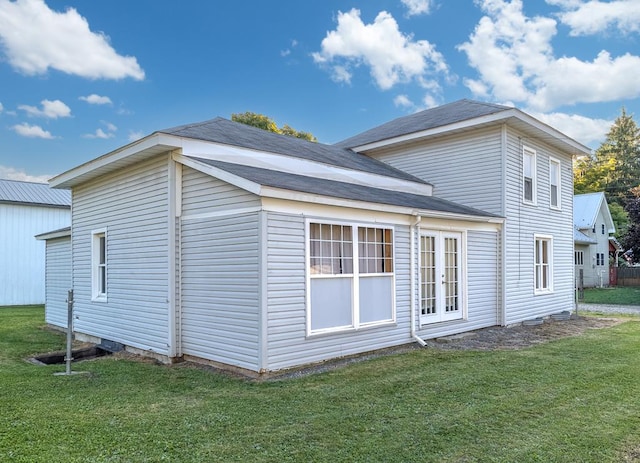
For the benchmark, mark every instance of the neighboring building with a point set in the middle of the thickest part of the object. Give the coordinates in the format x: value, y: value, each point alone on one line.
x: 225, y: 243
x: 57, y: 275
x: 27, y: 209
x: 595, y: 227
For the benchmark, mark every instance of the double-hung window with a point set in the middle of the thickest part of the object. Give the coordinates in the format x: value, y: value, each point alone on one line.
x: 554, y: 183
x: 529, y: 176
x: 579, y: 258
x: 351, y: 276
x: 99, y: 265
x: 543, y: 268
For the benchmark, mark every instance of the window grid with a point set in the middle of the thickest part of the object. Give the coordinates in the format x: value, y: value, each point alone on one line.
x: 579, y: 258
x: 428, y: 275
x: 451, y: 275
x: 375, y: 250
x: 543, y: 264
x: 331, y: 250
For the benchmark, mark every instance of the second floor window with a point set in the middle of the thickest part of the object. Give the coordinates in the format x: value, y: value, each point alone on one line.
x: 529, y: 176
x: 554, y: 183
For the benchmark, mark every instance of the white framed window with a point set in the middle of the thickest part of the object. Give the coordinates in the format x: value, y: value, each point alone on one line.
x: 543, y: 263
x: 579, y: 257
x: 600, y: 258
x: 442, y: 276
x: 529, y: 180
x: 351, y: 279
x: 555, y: 191
x: 99, y: 265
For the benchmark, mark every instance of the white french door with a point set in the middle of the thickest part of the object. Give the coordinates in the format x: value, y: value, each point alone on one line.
x: 441, y: 281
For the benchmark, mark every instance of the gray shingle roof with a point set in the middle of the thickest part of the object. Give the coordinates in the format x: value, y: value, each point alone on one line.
x: 12, y: 191
x: 342, y: 190
x: 451, y: 113
x: 220, y: 130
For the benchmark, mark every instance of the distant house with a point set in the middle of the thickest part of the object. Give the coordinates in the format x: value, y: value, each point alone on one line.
x: 224, y: 243
x: 27, y: 209
x: 593, y: 238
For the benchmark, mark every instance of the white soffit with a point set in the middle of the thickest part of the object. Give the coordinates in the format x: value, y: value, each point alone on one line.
x: 298, y: 166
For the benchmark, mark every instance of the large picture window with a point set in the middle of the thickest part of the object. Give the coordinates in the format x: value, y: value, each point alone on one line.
x: 99, y: 265
x: 351, y: 276
x: 543, y: 264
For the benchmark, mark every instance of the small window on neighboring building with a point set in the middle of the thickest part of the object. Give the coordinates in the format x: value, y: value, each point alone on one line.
x: 600, y: 258
x: 99, y: 265
x: 543, y: 264
x: 529, y: 176
x: 554, y: 183
x: 603, y: 229
x: 579, y: 257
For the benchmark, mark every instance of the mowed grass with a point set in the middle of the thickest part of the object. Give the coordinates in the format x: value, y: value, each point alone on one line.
x: 619, y: 295
x: 572, y: 400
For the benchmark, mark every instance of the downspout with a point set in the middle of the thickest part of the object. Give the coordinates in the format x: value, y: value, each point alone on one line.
x: 412, y: 271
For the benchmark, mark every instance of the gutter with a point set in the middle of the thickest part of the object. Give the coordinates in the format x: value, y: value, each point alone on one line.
x: 412, y: 271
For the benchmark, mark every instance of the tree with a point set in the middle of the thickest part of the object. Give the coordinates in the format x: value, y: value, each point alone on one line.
x: 266, y: 123
x: 631, y: 240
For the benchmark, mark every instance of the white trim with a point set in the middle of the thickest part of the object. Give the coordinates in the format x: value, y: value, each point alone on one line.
x: 263, y: 292
x: 504, y: 115
x: 355, y: 277
x: 96, y: 235
x: 439, y: 236
x: 558, y: 163
x: 172, y: 175
x: 299, y: 166
x: 526, y: 151
x: 549, y: 239
x: 223, y: 175
x: 223, y: 213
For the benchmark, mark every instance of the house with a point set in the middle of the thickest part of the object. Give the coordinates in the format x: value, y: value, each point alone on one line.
x: 594, y: 230
x: 27, y: 209
x: 223, y: 243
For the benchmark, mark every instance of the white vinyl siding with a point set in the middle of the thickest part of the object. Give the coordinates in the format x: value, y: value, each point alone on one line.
x: 22, y: 266
x: 482, y: 292
x: 464, y: 168
x: 523, y: 223
x: 132, y: 204
x: 58, y: 280
x: 288, y: 342
x: 219, y: 271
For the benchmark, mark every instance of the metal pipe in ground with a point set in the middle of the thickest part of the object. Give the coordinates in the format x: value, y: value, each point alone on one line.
x: 69, y: 356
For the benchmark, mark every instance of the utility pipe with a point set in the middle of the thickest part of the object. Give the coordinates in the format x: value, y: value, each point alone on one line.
x: 412, y: 271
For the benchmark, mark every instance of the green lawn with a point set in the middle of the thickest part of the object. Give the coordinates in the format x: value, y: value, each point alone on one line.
x: 620, y: 295
x: 573, y: 400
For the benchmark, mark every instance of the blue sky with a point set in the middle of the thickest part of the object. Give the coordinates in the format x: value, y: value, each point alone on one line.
x: 79, y: 79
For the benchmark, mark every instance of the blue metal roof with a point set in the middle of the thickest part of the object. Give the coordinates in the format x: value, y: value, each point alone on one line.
x: 16, y: 192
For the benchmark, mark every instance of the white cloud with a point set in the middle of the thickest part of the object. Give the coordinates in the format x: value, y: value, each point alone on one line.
x: 403, y: 101
x: 1, y: 108
x: 32, y: 131
x: 391, y: 56
x: 36, y: 38
x: 99, y: 133
x: 11, y: 173
x: 417, y: 7
x: 592, y: 17
x: 96, y: 99
x: 50, y: 109
x: 515, y: 61
x: 590, y: 132
x: 133, y: 135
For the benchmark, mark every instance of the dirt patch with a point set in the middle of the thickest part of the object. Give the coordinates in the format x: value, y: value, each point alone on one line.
x: 521, y: 336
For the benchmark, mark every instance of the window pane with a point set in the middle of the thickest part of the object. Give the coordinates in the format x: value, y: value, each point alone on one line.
x: 330, y: 249
x: 375, y: 247
x: 331, y: 303
x: 376, y: 299
x: 102, y: 250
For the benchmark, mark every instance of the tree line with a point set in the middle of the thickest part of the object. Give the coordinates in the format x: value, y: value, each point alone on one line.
x: 614, y: 168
